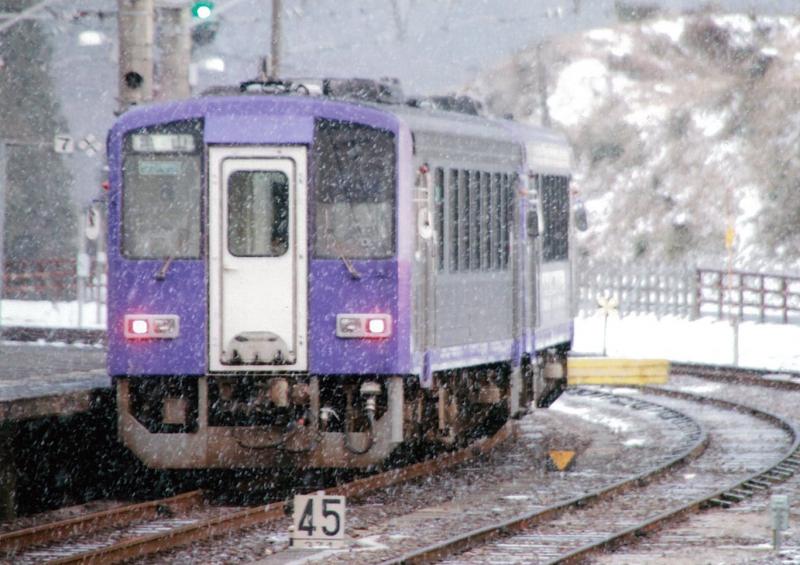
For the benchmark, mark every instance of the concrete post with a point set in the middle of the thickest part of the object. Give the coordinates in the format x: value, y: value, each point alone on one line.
x: 136, y: 32
x: 175, y: 44
x: 275, y: 40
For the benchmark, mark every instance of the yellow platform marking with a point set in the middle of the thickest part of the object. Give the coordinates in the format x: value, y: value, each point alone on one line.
x: 561, y: 459
x: 606, y: 371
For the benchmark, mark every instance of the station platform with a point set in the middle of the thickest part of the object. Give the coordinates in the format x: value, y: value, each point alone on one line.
x: 39, y: 380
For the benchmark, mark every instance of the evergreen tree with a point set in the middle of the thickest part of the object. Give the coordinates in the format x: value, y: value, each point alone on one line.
x: 40, y: 215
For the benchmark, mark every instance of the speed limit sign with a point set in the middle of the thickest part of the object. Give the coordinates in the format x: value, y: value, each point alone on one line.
x: 318, y: 521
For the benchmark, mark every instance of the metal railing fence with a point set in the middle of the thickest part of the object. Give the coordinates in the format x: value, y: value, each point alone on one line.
x: 690, y: 292
x: 55, y: 279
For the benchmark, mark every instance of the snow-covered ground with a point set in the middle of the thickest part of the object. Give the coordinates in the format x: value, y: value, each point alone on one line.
x: 46, y: 314
x: 762, y: 346
x: 767, y: 346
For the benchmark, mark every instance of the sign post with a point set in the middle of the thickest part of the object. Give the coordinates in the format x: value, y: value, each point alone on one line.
x: 608, y: 305
x: 779, y: 505
x: 318, y: 521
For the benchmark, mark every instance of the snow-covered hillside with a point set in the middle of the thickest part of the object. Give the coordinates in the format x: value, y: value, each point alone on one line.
x: 680, y: 126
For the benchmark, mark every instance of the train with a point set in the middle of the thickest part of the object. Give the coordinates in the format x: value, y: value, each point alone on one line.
x: 320, y: 273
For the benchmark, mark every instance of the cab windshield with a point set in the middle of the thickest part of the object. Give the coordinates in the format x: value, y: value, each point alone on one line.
x: 161, y: 176
x: 354, y: 180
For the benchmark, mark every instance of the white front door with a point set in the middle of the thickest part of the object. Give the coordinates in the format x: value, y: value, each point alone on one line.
x: 257, y: 259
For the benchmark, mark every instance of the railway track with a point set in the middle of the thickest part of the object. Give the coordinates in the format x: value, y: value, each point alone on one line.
x: 561, y: 533
x: 138, y: 530
x: 165, y: 525
x: 672, y: 438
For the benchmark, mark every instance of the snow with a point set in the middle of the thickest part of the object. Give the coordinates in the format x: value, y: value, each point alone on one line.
x: 709, y: 123
x: 619, y: 44
x: 647, y: 116
x: 706, y: 340
x: 740, y: 26
x: 578, y: 92
x: 671, y: 28
x: 591, y: 414
x: 46, y: 314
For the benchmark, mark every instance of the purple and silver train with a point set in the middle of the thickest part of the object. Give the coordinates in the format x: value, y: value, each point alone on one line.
x: 316, y: 273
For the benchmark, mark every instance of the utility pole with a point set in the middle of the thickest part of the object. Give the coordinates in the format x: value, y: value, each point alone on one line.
x: 176, y: 50
x: 136, y: 25
x: 541, y: 72
x: 275, y: 41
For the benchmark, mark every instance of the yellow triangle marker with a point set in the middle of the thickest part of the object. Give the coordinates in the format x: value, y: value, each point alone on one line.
x: 561, y: 459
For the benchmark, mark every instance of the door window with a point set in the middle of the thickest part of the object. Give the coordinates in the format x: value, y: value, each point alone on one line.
x: 258, y: 213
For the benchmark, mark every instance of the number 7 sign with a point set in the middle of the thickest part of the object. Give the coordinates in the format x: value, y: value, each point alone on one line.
x: 318, y: 521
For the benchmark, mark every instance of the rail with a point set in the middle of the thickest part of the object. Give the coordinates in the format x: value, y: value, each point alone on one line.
x: 13, y: 543
x: 778, y: 471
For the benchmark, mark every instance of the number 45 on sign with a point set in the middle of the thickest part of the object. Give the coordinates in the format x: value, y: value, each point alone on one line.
x: 318, y: 521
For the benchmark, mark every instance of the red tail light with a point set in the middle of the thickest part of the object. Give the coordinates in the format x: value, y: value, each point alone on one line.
x: 161, y: 326
x: 138, y: 327
x: 376, y: 326
x: 363, y: 325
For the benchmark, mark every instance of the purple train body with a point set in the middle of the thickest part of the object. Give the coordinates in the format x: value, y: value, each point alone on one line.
x: 305, y: 280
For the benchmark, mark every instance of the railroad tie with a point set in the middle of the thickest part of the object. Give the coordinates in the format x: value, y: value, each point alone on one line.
x: 718, y: 502
x: 755, y: 483
x: 781, y: 470
x: 731, y: 496
x: 786, y: 468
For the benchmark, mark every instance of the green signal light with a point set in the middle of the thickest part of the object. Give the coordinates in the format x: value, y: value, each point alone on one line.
x: 202, y: 10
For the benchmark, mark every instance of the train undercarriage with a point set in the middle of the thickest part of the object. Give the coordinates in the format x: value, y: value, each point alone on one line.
x: 285, y: 421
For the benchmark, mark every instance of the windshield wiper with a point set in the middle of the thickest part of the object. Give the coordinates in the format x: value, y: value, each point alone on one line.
x: 350, y: 268
x: 161, y: 274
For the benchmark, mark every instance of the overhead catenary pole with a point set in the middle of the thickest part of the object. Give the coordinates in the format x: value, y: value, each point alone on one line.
x: 275, y: 38
x: 175, y: 44
x: 136, y: 34
x: 541, y: 72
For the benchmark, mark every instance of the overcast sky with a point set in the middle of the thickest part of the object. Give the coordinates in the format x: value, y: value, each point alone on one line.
x: 432, y: 46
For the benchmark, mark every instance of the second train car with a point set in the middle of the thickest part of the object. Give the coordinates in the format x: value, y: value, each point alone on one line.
x: 315, y: 273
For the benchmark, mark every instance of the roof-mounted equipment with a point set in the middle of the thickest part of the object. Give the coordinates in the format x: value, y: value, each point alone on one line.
x: 449, y: 103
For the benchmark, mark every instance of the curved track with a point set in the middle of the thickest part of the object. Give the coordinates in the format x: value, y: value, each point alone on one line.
x: 557, y: 533
x: 573, y: 537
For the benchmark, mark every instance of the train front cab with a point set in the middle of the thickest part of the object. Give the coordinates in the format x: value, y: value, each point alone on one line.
x: 291, y: 354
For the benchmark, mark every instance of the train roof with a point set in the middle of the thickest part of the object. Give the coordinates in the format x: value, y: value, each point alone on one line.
x: 545, y: 147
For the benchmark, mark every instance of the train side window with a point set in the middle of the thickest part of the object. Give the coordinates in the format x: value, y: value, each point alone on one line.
x: 354, y: 186
x: 475, y: 220
x: 463, y: 228
x: 555, y: 205
x: 438, y: 195
x: 258, y: 213
x: 503, y: 242
x: 494, y: 216
x: 452, y: 202
x: 484, y: 221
